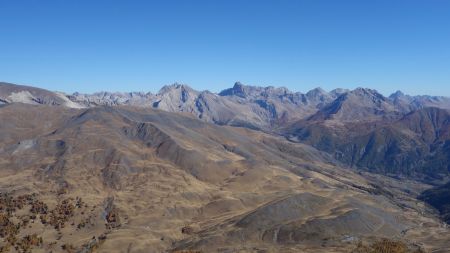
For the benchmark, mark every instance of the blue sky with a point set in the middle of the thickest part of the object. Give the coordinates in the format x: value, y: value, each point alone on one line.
x: 141, y: 45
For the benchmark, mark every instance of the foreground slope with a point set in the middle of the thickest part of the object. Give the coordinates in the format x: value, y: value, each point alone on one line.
x: 124, y: 179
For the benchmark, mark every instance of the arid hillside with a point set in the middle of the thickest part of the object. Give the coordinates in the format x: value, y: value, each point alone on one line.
x: 127, y: 179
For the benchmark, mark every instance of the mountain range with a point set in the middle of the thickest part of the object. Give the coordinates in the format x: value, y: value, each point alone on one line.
x: 248, y: 169
x: 262, y: 107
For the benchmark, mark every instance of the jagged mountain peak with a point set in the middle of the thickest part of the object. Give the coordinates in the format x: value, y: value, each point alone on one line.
x: 403, y: 101
x: 366, y: 96
x: 317, y: 90
x: 359, y: 94
x: 238, y: 89
x: 238, y: 84
x: 245, y: 91
x: 361, y: 91
x: 115, y: 94
x: 176, y: 86
x: 318, y: 93
x: 338, y: 91
x: 357, y: 104
x: 397, y: 94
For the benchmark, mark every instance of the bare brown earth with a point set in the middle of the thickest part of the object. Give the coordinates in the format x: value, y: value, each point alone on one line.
x: 123, y: 179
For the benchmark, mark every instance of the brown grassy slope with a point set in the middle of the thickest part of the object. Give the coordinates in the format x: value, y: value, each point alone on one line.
x: 145, y: 175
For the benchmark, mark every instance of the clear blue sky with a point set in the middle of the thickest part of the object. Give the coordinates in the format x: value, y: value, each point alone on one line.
x: 141, y: 45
